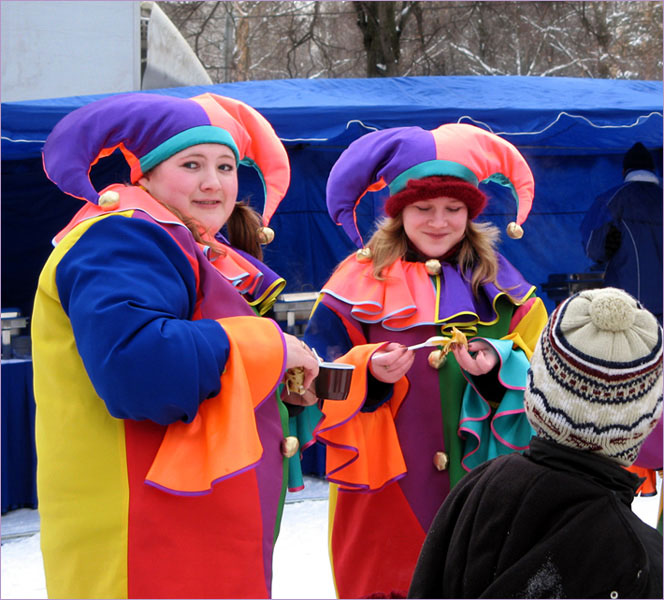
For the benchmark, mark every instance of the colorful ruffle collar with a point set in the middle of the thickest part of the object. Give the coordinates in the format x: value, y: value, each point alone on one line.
x: 258, y: 284
x: 256, y: 281
x: 409, y: 296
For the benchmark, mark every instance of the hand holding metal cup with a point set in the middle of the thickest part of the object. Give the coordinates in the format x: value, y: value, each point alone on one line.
x: 301, y: 363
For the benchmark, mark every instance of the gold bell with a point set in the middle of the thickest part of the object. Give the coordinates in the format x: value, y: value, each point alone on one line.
x: 109, y: 200
x: 363, y: 255
x: 265, y: 235
x: 441, y: 460
x: 514, y: 231
x: 433, y: 266
x: 289, y: 446
x: 437, y: 359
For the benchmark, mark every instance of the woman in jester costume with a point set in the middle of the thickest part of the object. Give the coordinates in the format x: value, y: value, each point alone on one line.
x: 162, y: 441
x: 416, y: 420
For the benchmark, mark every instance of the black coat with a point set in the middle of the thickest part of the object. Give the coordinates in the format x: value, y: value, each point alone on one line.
x: 553, y: 523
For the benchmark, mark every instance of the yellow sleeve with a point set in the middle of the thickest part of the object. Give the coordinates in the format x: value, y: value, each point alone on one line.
x: 527, y: 325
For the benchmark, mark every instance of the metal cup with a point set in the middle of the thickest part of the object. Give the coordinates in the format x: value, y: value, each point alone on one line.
x: 333, y: 381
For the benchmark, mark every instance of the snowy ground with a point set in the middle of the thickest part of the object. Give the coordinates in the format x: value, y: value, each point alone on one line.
x: 301, y: 564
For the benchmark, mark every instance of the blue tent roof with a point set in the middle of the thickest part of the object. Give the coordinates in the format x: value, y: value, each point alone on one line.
x: 547, y: 113
x: 573, y: 132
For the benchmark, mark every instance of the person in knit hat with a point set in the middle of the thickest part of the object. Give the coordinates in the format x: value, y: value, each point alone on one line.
x: 622, y: 231
x: 556, y: 522
x: 161, y: 437
x: 423, y: 409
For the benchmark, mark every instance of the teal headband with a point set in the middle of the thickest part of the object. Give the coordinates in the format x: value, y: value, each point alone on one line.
x: 204, y: 134
x: 432, y: 167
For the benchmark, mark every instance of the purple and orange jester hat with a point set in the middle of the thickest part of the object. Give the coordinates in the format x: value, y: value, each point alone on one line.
x: 457, y: 152
x: 149, y: 128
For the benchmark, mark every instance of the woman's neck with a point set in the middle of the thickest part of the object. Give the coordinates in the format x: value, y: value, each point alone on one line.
x: 414, y: 255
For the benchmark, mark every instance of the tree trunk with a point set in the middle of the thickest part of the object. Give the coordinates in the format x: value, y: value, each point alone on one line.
x: 380, y: 24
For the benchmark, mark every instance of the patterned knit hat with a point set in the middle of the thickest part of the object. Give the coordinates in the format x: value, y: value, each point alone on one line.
x: 595, y: 378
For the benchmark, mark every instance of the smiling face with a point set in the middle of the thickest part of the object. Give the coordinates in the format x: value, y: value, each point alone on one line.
x: 199, y: 181
x: 436, y: 225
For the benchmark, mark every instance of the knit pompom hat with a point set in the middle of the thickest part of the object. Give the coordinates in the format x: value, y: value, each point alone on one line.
x: 595, y: 378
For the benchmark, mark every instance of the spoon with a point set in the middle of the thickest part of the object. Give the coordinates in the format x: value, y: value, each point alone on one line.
x: 320, y: 360
x: 436, y: 340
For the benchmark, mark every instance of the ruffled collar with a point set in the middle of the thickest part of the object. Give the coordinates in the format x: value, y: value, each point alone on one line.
x: 259, y: 284
x: 409, y: 296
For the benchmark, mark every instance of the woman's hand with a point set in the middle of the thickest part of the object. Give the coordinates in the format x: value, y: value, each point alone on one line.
x: 391, y: 363
x: 298, y: 354
x: 482, y: 362
x: 306, y: 399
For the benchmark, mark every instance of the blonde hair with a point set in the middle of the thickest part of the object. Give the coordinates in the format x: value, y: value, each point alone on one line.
x: 477, y: 253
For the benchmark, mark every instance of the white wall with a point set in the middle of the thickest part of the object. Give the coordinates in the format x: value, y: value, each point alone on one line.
x: 56, y: 49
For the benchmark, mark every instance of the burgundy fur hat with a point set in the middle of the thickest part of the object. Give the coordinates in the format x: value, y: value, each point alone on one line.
x: 436, y: 187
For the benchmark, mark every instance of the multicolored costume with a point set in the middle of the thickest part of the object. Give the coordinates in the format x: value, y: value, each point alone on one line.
x: 159, y: 423
x: 394, y: 451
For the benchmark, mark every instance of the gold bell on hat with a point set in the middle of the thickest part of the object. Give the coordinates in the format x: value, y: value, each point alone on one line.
x: 289, y: 446
x: 265, y: 235
x: 514, y: 231
x: 109, y: 200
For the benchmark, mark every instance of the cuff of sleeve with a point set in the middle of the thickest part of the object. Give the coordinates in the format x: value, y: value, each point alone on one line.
x: 492, y: 431
x: 362, y: 448
x: 223, y: 440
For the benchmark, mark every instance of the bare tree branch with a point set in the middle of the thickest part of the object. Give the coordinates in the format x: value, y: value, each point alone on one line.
x: 267, y: 39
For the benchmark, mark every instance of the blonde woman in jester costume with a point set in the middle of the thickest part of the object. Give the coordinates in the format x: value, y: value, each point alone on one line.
x: 161, y: 437
x: 421, y: 412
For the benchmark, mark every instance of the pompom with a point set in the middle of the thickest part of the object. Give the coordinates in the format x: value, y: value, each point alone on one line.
x: 612, y: 313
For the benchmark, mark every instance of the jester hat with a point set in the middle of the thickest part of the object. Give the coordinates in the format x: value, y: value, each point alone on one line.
x: 392, y: 157
x: 149, y: 128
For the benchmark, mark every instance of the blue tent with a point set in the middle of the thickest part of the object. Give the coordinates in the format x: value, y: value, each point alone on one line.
x: 573, y: 133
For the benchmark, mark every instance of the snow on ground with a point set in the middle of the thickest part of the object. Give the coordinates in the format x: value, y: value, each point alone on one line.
x: 301, y: 564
